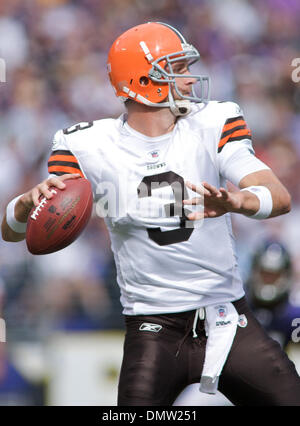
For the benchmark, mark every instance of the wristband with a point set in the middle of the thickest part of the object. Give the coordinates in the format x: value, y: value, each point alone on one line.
x: 265, y: 201
x: 12, y: 222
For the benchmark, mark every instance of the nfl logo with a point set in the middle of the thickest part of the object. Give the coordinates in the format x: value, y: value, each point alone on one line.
x: 154, y: 154
x: 243, y: 322
x: 221, y: 311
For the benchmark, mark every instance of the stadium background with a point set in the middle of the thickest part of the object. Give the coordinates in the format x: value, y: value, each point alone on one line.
x: 63, y: 317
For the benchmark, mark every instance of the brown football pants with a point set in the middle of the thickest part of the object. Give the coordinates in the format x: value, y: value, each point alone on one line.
x: 159, y: 363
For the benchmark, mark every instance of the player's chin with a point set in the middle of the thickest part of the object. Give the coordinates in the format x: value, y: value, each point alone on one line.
x: 182, y: 92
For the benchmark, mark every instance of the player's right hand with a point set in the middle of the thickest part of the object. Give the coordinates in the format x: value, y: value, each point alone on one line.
x: 31, y: 198
x: 216, y: 201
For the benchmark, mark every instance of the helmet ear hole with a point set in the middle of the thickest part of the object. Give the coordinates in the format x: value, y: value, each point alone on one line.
x: 144, y: 81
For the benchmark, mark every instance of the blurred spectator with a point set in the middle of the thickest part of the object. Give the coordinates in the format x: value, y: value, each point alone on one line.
x: 269, y: 290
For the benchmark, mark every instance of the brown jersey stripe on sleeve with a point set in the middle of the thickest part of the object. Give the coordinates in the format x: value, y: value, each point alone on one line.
x: 228, y: 126
x: 243, y: 132
x: 61, y: 152
x: 64, y: 170
x: 233, y: 119
x: 58, y: 173
x: 64, y: 173
x: 63, y: 163
x: 237, y: 135
x: 231, y: 131
x: 240, y: 137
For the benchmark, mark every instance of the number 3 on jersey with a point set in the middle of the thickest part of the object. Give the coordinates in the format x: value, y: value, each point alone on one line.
x: 176, y: 182
x: 75, y: 128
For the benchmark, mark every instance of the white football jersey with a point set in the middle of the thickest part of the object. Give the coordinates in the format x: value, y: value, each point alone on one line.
x: 165, y: 263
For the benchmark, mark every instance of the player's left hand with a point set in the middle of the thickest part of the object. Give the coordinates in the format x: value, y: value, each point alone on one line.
x: 216, y: 201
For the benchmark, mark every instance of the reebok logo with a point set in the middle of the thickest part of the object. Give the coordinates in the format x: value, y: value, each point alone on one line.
x: 147, y: 326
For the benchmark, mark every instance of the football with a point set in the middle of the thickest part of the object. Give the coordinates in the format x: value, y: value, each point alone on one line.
x: 55, y: 223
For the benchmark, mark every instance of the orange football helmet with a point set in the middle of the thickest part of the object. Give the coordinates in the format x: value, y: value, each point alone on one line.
x: 140, y: 67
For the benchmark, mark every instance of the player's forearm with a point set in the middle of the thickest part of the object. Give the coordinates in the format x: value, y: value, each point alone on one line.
x: 21, y: 212
x: 249, y: 202
x: 8, y: 234
x: 282, y: 202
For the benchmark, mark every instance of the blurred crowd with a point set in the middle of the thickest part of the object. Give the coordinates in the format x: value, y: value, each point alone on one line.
x: 55, y: 54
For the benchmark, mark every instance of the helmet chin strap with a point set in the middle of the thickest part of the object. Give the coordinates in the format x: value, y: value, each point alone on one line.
x: 182, y: 107
x: 179, y: 107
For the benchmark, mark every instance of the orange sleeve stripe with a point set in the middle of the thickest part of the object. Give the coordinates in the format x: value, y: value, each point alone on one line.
x: 233, y: 124
x: 242, y: 132
x: 65, y: 169
x: 69, y: 158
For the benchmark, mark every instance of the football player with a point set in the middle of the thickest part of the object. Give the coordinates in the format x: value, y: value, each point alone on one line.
x: 159, y: 178
x: 269, y: 290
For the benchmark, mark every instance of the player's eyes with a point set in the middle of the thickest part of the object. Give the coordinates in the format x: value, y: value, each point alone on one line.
x: 178, y: 68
